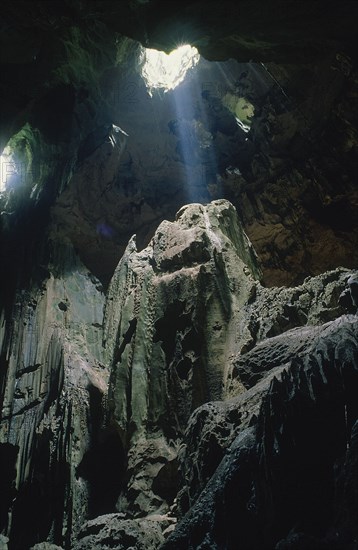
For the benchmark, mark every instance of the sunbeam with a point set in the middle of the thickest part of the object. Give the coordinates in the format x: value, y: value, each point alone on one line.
x: 196, y: 143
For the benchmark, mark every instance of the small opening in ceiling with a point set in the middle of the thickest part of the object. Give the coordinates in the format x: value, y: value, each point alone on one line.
x: 241, y: 108
x: 167, y: 71
x: 8, y: 168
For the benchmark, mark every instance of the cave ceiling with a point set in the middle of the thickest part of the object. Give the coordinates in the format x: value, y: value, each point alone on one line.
x: 102, y: 159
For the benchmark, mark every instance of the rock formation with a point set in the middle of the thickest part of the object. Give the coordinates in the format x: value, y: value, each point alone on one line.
x: 291, y: 176
x: 162, y: 398
x: 193, y: 385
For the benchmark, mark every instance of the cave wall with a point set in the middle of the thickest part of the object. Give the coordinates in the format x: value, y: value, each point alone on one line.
x: 51, y: 372
x: 291, y: 177
x: 119, y: 410
x: 137, y: 396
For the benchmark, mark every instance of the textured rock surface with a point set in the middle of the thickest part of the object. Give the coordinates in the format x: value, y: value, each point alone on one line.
x: 284, y: 472
x: 213, y: 427
x: 112, y: 531
x: 171, y: 318
x: 52, y: 375
x: 140, y: 404
x: 46, y: 546
x: 246, y: 335
x: 291, y: 176
x: 204, y: 367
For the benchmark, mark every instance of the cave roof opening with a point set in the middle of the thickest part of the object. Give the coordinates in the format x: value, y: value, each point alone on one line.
x: 8, y: 168
x: 167, y: 71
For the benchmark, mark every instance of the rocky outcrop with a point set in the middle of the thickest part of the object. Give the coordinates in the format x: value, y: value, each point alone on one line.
x: 242, y: 337
x: 262, y: 332
x: 52, y: 379
x: 124, y: 413
x: 276, y: 459
x: 170, y: 323
x: 200, y: 391
x: 112, y: 531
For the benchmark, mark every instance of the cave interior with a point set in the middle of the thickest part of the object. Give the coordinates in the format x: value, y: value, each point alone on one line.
x: 179, y: 284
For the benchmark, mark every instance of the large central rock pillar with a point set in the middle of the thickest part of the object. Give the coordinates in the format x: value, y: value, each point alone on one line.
x: 172, y: 321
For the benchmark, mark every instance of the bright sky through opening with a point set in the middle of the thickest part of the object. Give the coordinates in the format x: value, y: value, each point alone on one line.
x: 7, y: 168
x: 166, y: 71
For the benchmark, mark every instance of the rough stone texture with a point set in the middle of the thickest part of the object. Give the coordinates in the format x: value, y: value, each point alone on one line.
x: 270, y: 317
x: 245, y: 336
x: 52, y: 374
x: 45, y: 546
x: 69, y: 80
x: 170, y: 322
x: 112, y: 531
x: 291, y: 176
x: 213, y: 427
x: 140, y: 402
x: 285, y: 476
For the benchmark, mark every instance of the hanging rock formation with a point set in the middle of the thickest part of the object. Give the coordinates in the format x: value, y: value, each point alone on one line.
x: 291, y: 175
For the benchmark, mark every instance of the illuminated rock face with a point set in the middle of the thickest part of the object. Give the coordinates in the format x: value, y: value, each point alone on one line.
x: 200, y: 396
x: 123, y: 406
x: 171, y: 322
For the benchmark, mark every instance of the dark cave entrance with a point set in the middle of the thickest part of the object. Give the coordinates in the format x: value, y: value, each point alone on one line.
x: 104, y: 464
x: 103, y: 467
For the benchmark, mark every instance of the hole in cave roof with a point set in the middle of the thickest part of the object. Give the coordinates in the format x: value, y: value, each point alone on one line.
x: 167, y: 71
x: 8, y: 168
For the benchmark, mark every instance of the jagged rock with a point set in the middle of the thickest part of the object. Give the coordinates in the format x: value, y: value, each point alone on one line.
x: 53, y: 377
x: 181, y: 319
x: 152, y: 477
x: 213, y: 427
x: 170, y: 322
x: 289, y: 168
x: 170, y: 310
x: 292, y: 312
x: 113, y: 531
x: 281, y: 471
x: 46, y: 546
x: 191, y: 350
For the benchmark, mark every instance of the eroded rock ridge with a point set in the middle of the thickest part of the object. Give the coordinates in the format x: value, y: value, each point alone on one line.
x: 188, y: 393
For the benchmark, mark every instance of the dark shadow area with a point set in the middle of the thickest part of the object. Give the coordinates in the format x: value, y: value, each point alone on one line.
x: 8, y: 455
x: 103, y: 466
x: 166, y: 483
x: 41, y: 503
